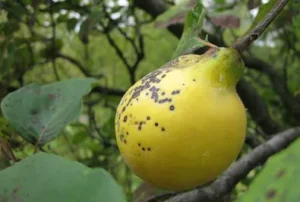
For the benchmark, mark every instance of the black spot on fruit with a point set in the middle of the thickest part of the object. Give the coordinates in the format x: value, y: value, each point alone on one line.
x: 163, y: 129
x: 163, y: 93
x: 149, y: 149
x: 194, y: 79
x: 163, y: 76
x: 156, y: 124
x: 175, y: 92
x: 140, y: 128
x: 172, y: 108
x: 123, y: 109
x: 127, y: 133
x: 143, y: 148
x: 163, y: 100
x: 148, y: 118
x: 169, y: 100
x: 125, y: 141
x: 125, y: 119
x: 121, y: 137
x: 139, y: 144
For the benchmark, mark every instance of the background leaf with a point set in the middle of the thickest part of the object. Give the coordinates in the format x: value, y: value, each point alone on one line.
x: 277, y: 181
x: 48, y: 178
x: 40, y: 112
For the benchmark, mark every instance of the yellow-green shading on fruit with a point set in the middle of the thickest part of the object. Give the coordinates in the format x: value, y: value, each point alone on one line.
x: 184, y: 124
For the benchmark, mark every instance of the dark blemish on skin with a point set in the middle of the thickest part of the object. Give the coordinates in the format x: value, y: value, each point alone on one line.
x: 121, y: 137
x: 123, y: 109
x: 172, y: 107
x: 163, y: 100
x: 175, y: 92
x: 140, y: 128
x: 271, y: 194
x: 125, y: 119
x: 169, y: 100
x: 183, y: 84
x: 194, y: 79
x: 163, y: 76
x: 137, y: 99
x: 125, y: 141
x: 163, y: 93
x: 147, y: 93
x: 127, y: 133
x: 143, y: 149
x: 149, y: 149
x: 156, y: 124
x: 139, y: 144
x: 163, y: 129
x: 148, y: 118
x: 136, y: 122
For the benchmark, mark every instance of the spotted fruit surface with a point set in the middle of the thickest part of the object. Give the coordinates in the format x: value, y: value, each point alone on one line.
x: 184, y: 124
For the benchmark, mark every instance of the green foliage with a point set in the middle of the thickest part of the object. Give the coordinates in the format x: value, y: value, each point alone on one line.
x: 278, y: 179
x: 48, y: 178
x: 39, y: 112
x: 192, y: 28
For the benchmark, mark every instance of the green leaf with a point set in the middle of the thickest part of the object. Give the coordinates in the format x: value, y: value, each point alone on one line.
x: 40, y: 112
x: 49, y: 178
x: 277, y: 180
x: 192, y: 28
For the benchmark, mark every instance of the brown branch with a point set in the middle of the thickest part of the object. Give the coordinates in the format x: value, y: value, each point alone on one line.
x: 139, y: 50
x: 242, y: 43
x: 75, y: 62
x: 238, y: 170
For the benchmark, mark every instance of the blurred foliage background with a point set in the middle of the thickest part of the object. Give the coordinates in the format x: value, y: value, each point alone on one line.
x: 118, y: 42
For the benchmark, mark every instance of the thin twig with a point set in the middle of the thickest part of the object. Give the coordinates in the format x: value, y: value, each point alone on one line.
x: 239, y: 170
x: 53, y: 41
x: 242, y: 43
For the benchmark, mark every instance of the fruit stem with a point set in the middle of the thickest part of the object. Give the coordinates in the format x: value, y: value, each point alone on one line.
x: 207, y: 43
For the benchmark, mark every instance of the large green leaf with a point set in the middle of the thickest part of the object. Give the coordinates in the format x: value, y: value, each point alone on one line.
x: 279, y: 178
x: 49, y: 178
x: 40, y: 112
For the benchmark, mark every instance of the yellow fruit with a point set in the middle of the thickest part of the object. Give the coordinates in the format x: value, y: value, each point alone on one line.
x: 182, y: 125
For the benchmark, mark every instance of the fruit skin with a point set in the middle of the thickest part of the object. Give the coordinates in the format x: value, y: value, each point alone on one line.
x: 182, y: 125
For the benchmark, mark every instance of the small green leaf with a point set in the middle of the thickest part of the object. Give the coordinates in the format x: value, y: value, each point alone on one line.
x: 278, y: 180
x: 47, y: 178
x: 192, y: 28
x: 40, y: 112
